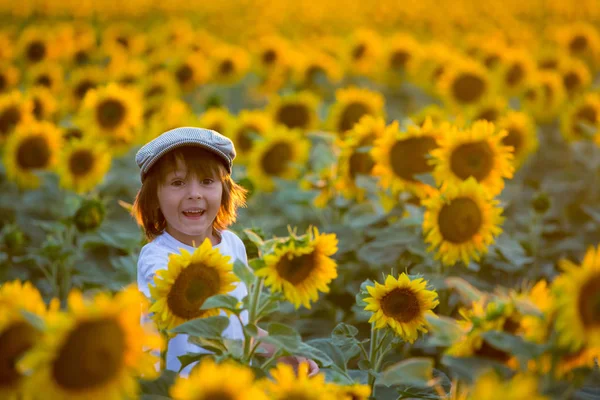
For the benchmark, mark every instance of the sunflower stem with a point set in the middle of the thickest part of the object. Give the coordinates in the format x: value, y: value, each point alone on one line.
x: 254, y: 298
x: 164, y: 351
x: 373, y: 347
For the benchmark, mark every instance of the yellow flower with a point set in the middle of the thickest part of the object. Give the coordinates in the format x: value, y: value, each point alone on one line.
x: 281, y: 154
x: 289, y: 385
x: 584, y: 110
x: 434, y: 60
x: 490, y: 386
x: 180, y: 290
x: 96, y: 350
x: 80, y: 82
x: 244, y: 131
x: 190, y: 71
x: 400, y: 156
x: 434, y: 112
x: 125, y: 71
x: 272, y: 52
x: 580, y: 40
x: 402, y: 54
x: 35, y: 45
x: 489, y: 109
x: 515, y: 70
x: 314, y: 70
x: 536, y: 328
x: 544, y: 95
x: 302, y: 267
x: 208, y: 381
x: 170, y: 115
x: 44, y: 104
x: 461, y: 222
x: 351, y: 105
x: 229, y: 64
x: 401, y: 304
x: 83, y: 164
x: 577, y: 297
x: 48, y: 75
x: 354, y: 392
x: 160, y: 87
x: 464, y: 83
x: 297, y: 110
x: 475, y: 152
x: 522, y: 135
x: 123, y: 38
x: 9, y: 76
x: 576, y: 76
x: 31, y: 148
x: 363, y: 50
x: 217, y: 119
x: 6, y: 47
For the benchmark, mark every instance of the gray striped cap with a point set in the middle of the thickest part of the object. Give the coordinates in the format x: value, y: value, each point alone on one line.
x: 208, y: 139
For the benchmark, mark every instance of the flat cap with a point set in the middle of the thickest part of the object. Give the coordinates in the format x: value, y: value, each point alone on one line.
x: 208, y: 139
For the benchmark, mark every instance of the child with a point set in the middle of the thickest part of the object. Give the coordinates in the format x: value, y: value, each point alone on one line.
x: 188, y: 195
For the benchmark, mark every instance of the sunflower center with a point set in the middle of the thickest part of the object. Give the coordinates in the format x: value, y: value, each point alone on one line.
x: 399, y: 59
x: 155, y: 90
x: 91, y: 356
x: 468, y: 88
x: 489, y: 114
x: 531, y: 94
x: 293, y: 115
x: 82, y: 88
x: 38, y: 108
x: 514, y: 139
x: 275, y: 160
x: 472, y: 159
x: 73, y: 133
x: 269, y: 56
x: 14, y: 342
x: 8, y: 119
x: 81, y: 162
x: 408, y: 157
x: 33, y: 153
x: 184, y: 74
x: 353, y: 112
x: 589, y: 302
x: 36, y: 51
x: 459, y: 220
x: 549, y: 63
x: 491, y: 60
x: 586, y: 115
x: 578, y: 43
x: 193, y: 286
x: 123, y: 41
x: 81, y: 57
x: 244, y: 138
x: 571, y: 81
x: 217, y: 395
x: 44, y: 80
x: 401, y: 304
x: 359, y: 51
x: 515, y: 75
x: 361, y: 163
x: 296, y: 269
x: 226, y: 67
x: 110, y: 113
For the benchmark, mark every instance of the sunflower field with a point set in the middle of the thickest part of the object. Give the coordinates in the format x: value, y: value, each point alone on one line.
x: 423, y: 210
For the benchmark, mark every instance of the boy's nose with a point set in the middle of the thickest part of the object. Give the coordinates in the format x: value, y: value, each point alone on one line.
x: 195, y: 189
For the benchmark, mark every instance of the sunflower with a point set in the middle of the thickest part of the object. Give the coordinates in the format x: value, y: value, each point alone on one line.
x: 17, y: 335
x: 544, y: 96
x: 281, y: 153
x: 9, y: 77
x: 490, y: 386
x: 44, y: 104
x: 229, y: 64
x: 402, y: 54
x: 297, y: 110
x: 362, y: 52
x: 476, y: 152
x: 461, y: 222
x: 123, y: 38
x: 49, y: 75
x: 580, y: 40
x: 84, y: 44
x: 125, y: 71
x: 160, y: 86
x: 36, y: 46
x: 434, y: 112
x: 173, y: 114
x: 581, y: 119
x: 288, y: 384
x: 217, y: 119
x: 180, y: 290
x: 15, y: 109
x: 316, y: 70
x: 302, y: 267
x: 272, y: 53
x: 355, y: 391
x: 435, y: 58
x: 489, y: 109
x: 577, y: 292
x: 6, y: 47
x: 351, y: 105
x: 83, y: 164
x: 464, y: 83
x: 522, y: 135
x: 244, y: 129
x: 515, y: 70
x: 81, y: 81
x: 96, y: 350
x: 176, y: 33
x: 210, y: 381
x: 490, y: 51
x: 576, y: 77
x: 401, y: 155
x: 31, y: 148
x: 190, y: 71
x: 536, y: 328
x: 401, y: 304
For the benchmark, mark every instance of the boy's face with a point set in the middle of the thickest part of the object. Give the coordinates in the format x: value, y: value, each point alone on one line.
x: 189, y: 204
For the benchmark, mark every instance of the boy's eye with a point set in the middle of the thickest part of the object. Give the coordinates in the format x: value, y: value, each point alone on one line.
x: 177, y: 182
x: 207, y: 181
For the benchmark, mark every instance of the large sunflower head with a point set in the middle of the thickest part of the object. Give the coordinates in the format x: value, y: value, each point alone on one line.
x: 298, y: 110
x: 81, y: 81
x: 95, y: 350
x: 180, y: 290
x: 290, y: 385
x: 44, y: 103
x: 83, y: 164
x: 402, y: 155
x: 581, y: 119
x: 351, y: 105
x: 210, y: 381
x: 462, y: 222
x: 302, y: 267
x: 9, y: 77
x: 216, y: 118
x: 476, y: 151
x: 15, y: 109
x: 31, y: 148
x: 401, y: 304
x: 281, y: 154
x: 464, y: 83
x: 521, y: 135
x: 577, y: 296
x: 229, y: 64
x: 244, y: 131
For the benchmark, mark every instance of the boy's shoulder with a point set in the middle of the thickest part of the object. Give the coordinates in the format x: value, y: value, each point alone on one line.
x: 231, y: 238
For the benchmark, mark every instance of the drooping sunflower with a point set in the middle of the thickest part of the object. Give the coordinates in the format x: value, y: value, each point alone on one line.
x: 363, y: 50
x: 209, y: 381
x: 281, y: 154
x: 83, y: 164
x: 462, y: 222
x: 401, y: 155
x: 464, y: 83
x: 190, y: 71
x: 490, y: 386
x: 401, y: 304
x: 577, y: 292
x: 302, y: 267
x: 351, y: 105
x: 476, y: 151
x: 17, y: 335
x: 229, y: 64
x: 9, y: 77
x: 217, y: 119
x: 581, y: 119
x: 45, y: 105
x: 35, y: 45
x: 522, y: 135
x: 81, y: 81
x: 48, y: 75
x: 180, y: 290
x: 15, y: 109
x: 297, y: 110
x: 544, y: 95
x: 288, y: 384
x: 245, y: 129
x: 31, y: 148
x: 95, y: 350
x: 576, y: 77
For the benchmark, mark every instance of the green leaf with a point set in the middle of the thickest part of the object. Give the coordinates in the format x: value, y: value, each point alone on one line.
x: 315, y: 354
x: 159, y: 386
x: 344, y: 330
x: 468, y: 368
x: 215, y: 345
x: 223, y: 301
x: 466, y: 290
x: 190, y: 358
x: 254, y: 238
x: 283, y: 336
x: 445, y: 331
x: 256, y: 264
x: 334, y: 353
x: 244, y: 273
x: 513, y: 344
x: 251, y: 330
x: 234, y: 347
x: 210, y: 328
x: 416, y: 371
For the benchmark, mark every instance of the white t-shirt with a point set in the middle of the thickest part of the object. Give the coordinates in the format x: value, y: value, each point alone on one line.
x: 155, y: 256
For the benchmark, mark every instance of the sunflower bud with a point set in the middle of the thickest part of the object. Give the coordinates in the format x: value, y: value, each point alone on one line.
x: 89, y: 216
x: 13, y: 240
x: 541, y: 203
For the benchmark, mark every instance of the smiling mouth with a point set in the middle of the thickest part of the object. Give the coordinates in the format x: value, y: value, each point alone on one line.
x: 194, y: 213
